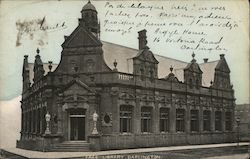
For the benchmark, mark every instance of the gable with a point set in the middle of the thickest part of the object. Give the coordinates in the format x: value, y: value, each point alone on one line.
x: 193, y: 67
x: 80, y: 37
x: 146, y: 55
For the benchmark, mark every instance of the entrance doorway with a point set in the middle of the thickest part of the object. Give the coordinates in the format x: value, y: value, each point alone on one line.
x: 77, y: 125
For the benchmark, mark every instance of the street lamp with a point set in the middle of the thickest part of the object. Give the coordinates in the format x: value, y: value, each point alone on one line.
x: 238, y: 130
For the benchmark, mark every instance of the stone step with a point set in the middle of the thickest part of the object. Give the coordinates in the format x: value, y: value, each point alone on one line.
x: 71, y: 146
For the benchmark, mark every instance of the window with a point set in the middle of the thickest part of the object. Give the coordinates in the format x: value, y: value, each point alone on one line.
x: 228, y: 120
x: 190, y: 83
x: 218, y: 125
x: 30, y: 121
x: 38, y: 120
x: 125, y: 119
x: 164, y: 119
x: 180, y: 114
x: 206, y: 120
x: 34, y: 121
x: 145, y: 119
x: 142, y: 74
x: 90, y: 65
x: 197, y: 83
x: 194, y: 120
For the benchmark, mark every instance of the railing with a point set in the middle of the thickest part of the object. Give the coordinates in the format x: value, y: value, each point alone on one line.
x: 127, y: 77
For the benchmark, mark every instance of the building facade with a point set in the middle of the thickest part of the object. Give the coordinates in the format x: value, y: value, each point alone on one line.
x: 85, y: 98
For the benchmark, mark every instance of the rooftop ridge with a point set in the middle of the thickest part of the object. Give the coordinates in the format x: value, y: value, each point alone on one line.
x: 138, y: 50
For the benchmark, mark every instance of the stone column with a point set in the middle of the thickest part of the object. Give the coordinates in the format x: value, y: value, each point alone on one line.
x: 212, y: 122
x: 137, y: 116
x: 223, y: 127
x: 156, y: 119
x: 59, y: 119
x: 187, y: 119
x: 200, y: 120
x: 173, y: 118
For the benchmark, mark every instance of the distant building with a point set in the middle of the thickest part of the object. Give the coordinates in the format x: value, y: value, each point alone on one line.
x: 138, y: 99
x: 242, y: 111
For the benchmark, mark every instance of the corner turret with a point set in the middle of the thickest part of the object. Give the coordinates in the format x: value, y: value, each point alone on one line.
x: 38, y: 67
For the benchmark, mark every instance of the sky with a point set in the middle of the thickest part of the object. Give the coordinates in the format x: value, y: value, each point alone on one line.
x: 63, y: 15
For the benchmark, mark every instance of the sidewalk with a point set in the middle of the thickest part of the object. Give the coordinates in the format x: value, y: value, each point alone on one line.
x: 37, y: 154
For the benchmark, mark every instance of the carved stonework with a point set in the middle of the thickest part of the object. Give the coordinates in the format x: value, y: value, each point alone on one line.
x: 106, y: 119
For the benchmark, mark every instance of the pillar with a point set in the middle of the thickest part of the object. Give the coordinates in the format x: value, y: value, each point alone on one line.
x: 59, y: 119
x: 187, y: 119
x: 200, y: 120
x: 172, y: 119
x: 137, y: 117
x: 156, y: 119
x: 223, y: 128
x: 212, y: 122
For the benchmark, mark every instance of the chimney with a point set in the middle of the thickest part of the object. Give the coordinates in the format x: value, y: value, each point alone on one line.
x: 205, y: 60
x: 142, y: 39
x: 222, y: 56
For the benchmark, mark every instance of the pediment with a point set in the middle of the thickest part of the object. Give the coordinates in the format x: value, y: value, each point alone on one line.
x: 76, y: 87
x: 81, y: 37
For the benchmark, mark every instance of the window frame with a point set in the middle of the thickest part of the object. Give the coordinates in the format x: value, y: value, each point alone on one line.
x: 180, y: 120
x: 126, y: 116
x: 194, y: 120
x: 164, y: 119
x: 146, y: 119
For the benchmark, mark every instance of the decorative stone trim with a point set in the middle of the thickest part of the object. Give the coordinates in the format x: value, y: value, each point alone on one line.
x: 106, y: 119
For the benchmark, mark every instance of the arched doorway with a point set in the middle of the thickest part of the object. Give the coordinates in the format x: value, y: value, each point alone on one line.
x: 77, y: 124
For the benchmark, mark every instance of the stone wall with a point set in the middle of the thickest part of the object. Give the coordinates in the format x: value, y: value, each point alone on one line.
x: 118, y: 141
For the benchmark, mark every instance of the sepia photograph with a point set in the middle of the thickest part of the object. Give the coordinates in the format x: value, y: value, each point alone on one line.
x: 110, y: 79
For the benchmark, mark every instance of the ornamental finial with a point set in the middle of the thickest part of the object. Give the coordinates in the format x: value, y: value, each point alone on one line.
x: 37, y: 51
x: 193, y: 55
x: 115, y: 63
x: 171, y: 68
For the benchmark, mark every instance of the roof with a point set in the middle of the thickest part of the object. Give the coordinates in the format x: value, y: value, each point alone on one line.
x: 124, y: 58
x: 89, y: 6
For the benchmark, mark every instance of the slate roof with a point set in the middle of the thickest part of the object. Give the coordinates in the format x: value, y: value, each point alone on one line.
x: 124, y: 57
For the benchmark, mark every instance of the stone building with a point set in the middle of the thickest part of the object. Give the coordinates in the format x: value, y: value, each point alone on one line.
x: 242, y: 112
x: 107, y: 96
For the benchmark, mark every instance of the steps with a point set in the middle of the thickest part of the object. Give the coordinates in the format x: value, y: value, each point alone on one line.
x: 71, y: 146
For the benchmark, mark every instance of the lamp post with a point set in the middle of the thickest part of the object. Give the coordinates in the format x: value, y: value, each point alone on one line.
x: 238, y: 130
x: 47, y: 119
x: 95, y: 117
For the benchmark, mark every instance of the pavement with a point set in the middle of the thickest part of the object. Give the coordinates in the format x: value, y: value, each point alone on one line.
x: 189, y: 151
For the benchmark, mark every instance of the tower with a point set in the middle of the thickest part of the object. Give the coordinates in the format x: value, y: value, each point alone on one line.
x: 89, y: 18
x: 222, y: 74
x: 38, y: 67
x: 193, y: 74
